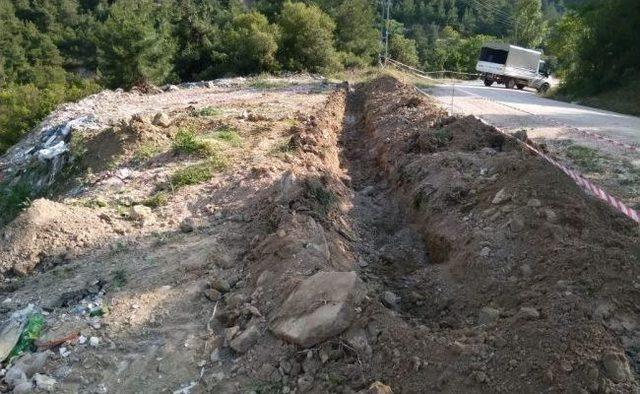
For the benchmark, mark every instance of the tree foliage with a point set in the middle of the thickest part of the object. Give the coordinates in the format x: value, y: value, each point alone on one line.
x: 134, y: 44
x: 307, y: 38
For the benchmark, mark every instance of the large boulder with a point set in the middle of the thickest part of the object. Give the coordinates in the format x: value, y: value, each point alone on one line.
x: 321, y: 307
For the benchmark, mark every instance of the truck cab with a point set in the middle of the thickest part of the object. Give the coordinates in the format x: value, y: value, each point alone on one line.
x: 512, y: 66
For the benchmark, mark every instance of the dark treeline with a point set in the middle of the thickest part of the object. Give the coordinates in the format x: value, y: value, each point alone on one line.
x: 59, y: 50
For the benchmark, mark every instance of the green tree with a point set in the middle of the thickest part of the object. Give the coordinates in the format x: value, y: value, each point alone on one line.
x: 134, y: 45
x: 564, y: 41
x: 403, y: 50
x: 357, y: 35
x: 306, y: 42
x: 252, y: 44
x: 529, y: 27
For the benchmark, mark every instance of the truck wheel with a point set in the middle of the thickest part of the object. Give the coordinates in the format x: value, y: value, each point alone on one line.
x: 544, y: 88
x: 488, y: 82
x: 510, y: 84
x: 520, y: 86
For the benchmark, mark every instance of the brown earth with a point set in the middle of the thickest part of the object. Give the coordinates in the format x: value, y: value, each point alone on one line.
x: 479, y: 267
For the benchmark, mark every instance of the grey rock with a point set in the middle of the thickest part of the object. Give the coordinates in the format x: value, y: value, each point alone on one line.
x: 23, y: 387
x: 44, y: 382
x: 501, y: 197
x: 390, y: 299
x: 305, y: 383
x: 245, y: 341
x: 320, y: 307
x: 221, y: 285
x: 15, y: 375
x: 188, y: 225
x: 616, y: 367
x: 528, y: 313
x: 32, y: 363
x: 161, y: 119
x: 534, y: 203
x: 488, y: 315
x: 485, y: 252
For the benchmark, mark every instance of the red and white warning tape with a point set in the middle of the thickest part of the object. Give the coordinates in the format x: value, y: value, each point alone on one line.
x: 579, y: 180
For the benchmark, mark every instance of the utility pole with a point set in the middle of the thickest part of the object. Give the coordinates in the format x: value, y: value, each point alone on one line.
x: 386, y: 41
x: 385, y: 6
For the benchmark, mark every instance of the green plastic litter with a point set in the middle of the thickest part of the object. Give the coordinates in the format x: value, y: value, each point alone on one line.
x: 32, y: 331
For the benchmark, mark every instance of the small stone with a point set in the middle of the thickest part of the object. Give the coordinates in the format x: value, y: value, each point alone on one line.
x: 528, y: 313
x: 162, y: 119
x: 23, y: 387
x: 245, y: 341
x: 488, y: 316
x: 550, y: 215
x: 44, y: 382
x: 141, y: 214
x: 616, y: 367
x: 94, y: 341
x: 305, y: 383
x: 485, y: 252
x: 212, y: 294
x: 215, y: 356
x: 220, y: 285
x: 379, y: 388
x: 525, y: 270
x: 281, y: 233
x: 534, y: 203
x: 362, y: 263
x: 481, y: 377
x: 500, y: 197
x: 231, y: 332
x: 390, y: 299
x: 187, y: 225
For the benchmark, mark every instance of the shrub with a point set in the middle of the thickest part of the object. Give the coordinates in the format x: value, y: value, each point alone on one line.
x: 198, y: 173
x: 252, y: 43
x: 306, y: 42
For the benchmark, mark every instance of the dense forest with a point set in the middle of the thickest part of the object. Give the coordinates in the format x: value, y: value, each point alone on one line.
x: 53, y: 51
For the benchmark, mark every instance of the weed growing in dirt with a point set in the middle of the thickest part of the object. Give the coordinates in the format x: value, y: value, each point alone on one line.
x: 264, y: 83
x: 282, y: 149
x: 191, y: 175
x: 443, y: 136
x: 206, y: 112
x: 145, y: 152
x: 229, y: 135
x: 322, y: 196
x: 586, y: 158
x: 199, y: 173
x: 156, y: 200
x: 13, y: 199
x: 120, y: 278
x: 186, y: 141
x: 266, y: 387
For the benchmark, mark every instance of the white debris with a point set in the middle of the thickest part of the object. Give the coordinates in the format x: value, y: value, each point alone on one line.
x: 54, y: 151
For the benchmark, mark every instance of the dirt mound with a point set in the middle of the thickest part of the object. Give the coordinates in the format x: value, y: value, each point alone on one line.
x: 509, y: 232
x: 49, y: 232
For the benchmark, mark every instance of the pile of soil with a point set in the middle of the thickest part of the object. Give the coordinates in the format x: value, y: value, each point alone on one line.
x: 386, y: 246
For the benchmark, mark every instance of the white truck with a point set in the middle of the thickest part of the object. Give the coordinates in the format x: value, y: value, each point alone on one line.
x: 512, y: 66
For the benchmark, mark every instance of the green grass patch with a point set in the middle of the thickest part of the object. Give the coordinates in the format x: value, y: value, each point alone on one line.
x: 229, y: 135
x: 265, y: 83
x: 206, y: 112
x: 13, y: 199
x: 282, y: 149
x: 586, y: 158
x: 186, y: 141
x: 443, y: 136
x: 156, y: 200
x: 120, y: 278
x: 146, y: 152
x: 199, y: 173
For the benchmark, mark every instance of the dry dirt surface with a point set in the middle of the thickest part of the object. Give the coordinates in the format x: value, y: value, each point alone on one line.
x: 357, y: 240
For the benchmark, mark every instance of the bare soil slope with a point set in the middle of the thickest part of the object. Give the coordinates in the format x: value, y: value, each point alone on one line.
x: 367, y: 244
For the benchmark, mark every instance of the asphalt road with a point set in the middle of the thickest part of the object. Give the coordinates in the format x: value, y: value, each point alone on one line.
x: 541, y: 117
